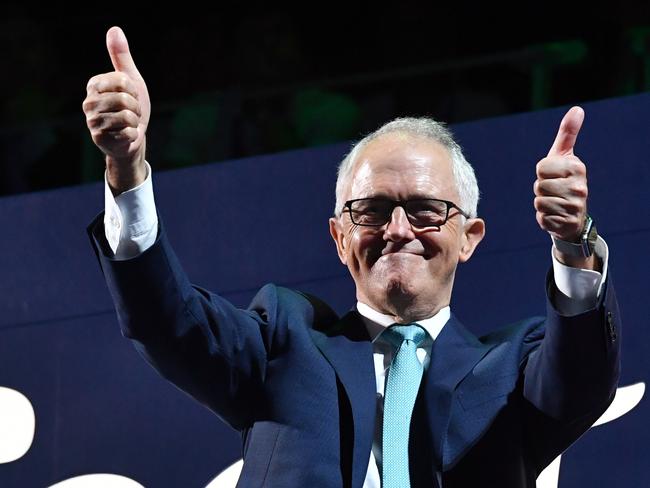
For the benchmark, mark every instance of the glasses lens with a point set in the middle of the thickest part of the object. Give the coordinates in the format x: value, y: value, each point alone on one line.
x: 423, y: 213
x: 371, y: 211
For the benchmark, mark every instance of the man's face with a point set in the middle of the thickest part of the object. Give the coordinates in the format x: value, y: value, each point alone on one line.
x: 398, y: 269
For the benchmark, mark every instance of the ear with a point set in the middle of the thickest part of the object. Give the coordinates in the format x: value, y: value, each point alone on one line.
x: 473, y: 232
x: 336, y: 231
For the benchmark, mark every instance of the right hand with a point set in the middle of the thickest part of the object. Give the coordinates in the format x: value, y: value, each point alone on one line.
x: 117, y: 112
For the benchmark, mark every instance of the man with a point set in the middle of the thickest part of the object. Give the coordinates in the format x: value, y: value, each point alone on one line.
x: 396, y: 390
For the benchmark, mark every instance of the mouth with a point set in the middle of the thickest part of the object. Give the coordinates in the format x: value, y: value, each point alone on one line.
x: 386, y: 254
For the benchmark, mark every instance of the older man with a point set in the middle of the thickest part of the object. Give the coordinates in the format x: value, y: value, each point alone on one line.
x: 397, y: 392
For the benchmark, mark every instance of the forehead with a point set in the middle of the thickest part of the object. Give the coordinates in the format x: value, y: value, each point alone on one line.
x: 403, y: 165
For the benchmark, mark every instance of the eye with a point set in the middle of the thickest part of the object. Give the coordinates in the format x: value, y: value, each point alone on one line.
x: 372, y: 207
x: 370, y: 211
x: 427, y: 207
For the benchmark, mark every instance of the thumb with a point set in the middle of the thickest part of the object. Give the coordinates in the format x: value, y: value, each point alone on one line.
x: 118, y: 50
x: 568, y: 133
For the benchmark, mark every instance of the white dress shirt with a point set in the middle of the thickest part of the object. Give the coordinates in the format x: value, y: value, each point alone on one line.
x: 383, y: 355
x: 131, y: 225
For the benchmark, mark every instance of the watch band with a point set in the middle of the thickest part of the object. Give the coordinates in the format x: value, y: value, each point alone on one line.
x: 585, y: 247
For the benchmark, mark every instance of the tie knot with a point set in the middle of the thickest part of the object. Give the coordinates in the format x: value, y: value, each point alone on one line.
x: 396, y: 334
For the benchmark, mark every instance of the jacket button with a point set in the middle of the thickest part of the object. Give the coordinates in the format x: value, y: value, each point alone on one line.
x: 611, y: 328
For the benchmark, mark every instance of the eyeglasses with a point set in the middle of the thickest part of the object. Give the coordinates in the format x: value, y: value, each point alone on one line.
x: 421, y: 212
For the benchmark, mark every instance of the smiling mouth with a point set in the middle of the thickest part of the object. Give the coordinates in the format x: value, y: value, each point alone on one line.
x: 401, y: 253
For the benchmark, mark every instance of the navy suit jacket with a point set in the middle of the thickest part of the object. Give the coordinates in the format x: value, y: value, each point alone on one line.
x: 298, y: 382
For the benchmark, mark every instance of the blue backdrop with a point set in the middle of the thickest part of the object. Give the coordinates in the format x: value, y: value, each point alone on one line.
x: 100, y: 408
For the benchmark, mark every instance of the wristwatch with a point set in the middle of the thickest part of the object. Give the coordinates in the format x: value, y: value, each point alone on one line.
x: 585, y: 247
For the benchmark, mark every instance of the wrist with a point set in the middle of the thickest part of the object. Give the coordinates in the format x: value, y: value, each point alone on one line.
x: 590, y: 262
x: 579, y: 247
x: 578, y: 252
x: 122, y: 176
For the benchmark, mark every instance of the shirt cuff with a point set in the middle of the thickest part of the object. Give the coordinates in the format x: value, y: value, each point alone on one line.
x: 130, y: 219
x: 578, y: 290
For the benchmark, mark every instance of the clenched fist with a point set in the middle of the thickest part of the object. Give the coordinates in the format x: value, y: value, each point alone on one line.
x: 117, y: 112
x: 561, y: 188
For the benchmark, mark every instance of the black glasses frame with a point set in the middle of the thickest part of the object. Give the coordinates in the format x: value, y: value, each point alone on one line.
x: 347, y: 207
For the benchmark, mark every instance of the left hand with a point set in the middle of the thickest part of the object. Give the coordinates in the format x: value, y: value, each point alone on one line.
x: 561, y: 188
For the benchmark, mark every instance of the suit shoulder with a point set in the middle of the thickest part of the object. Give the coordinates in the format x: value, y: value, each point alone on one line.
x: 516, y: 341
x: 286, y: 302
x: 526, y: 330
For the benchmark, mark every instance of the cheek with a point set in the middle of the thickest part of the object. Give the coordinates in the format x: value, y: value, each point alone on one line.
x: 443, y: 249
x: 351, y: 239
x: 363, y: 246
x: 435, y: 241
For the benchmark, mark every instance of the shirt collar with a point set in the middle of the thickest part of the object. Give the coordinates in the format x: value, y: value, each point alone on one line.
x: 376, y: 322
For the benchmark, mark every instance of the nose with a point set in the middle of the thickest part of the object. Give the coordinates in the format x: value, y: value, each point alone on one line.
x: 398, y: 228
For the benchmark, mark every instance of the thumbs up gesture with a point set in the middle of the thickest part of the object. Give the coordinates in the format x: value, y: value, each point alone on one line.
x: 561, y: 188
x: 117, y: 110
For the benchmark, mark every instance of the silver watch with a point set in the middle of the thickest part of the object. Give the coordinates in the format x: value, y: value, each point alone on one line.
x: 585, y: 247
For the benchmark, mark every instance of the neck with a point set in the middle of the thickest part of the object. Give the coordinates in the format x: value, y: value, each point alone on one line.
x: 405, y: 311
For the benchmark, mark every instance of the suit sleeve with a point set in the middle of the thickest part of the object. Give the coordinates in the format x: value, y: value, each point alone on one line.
x: 212, y: 350
x: 571, y: 377
x: 577, y: 365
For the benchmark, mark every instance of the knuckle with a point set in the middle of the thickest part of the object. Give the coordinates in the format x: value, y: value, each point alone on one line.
x: 544, y: 188
x: 99, y: 138
x: 580, y: 168
x: 575, y: 167
x: 97, y: 82
x: 92, y: 84
x: 573, y: 207
x: 123, y: 79
x: 88, y: 105
x: 129, y: 118
x: 94, y: 122
x: 135, y: 119
x: 578, y: 189
x: 582, y: 191
x: 122, y: 83
x: 123, y: 99
x: 119, y: 79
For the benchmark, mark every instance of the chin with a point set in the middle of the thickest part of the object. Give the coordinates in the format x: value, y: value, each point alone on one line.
x: 392, y: 280
x: 398, y: 290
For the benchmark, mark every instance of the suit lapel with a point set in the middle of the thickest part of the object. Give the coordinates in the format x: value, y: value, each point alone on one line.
x: 453, y: 355
x: 347, y: 347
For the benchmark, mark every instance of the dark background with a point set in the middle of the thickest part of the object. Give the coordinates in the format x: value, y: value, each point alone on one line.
x: 231, y: 82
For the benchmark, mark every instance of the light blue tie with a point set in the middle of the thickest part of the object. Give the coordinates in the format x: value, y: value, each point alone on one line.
x: 404, y: 376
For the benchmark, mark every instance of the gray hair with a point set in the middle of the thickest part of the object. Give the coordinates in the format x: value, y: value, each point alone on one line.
x: 463, y: 172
